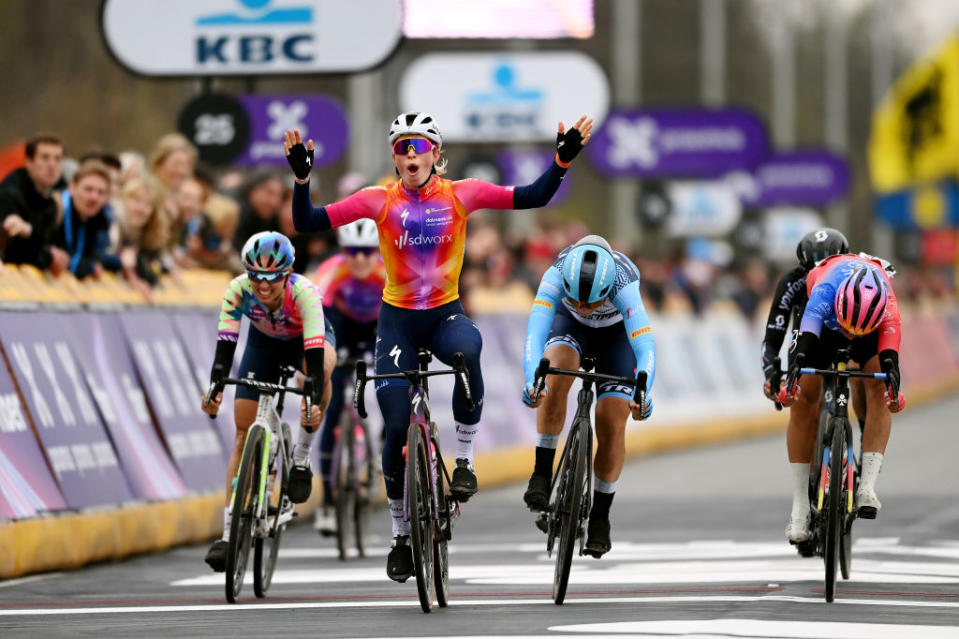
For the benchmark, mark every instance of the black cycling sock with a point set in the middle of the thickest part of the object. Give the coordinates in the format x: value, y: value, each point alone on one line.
x: 601, y: 504
x: 544, y: 461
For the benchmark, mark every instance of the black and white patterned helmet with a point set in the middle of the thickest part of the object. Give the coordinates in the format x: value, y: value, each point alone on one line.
x: 415, y: 123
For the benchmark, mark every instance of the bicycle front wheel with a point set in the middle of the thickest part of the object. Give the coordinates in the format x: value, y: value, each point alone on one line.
x: 420, y: 502
x: 568, y: 508
x: 245, y: 502
x: 266, y: 550
x: 835, y: 508
x: 345, y: 486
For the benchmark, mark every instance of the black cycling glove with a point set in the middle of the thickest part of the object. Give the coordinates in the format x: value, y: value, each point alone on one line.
x: 889, y: 362
x: 568, y: 145
x: 301, y: 161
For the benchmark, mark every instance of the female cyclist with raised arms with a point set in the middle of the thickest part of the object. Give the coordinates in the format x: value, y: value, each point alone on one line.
x: 421, y: 221
x: 287, y: 328
x: 351, y: 283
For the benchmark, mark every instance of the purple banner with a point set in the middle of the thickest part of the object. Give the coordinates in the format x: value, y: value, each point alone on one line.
x: 26, y: 485
x: 524, y: 167
x: 110, y: 375
x: 317, y: 117
x: 171, y: 390
x: 197, y: 331
x: 70, y: 428
x: 813, y: 178
x: 678, y: 142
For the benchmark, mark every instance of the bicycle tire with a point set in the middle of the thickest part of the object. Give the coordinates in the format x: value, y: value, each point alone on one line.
x: 345, y: 486
x: 569, y: 504
x: 834, y: 509
x: 845, y: 545
x: 420, y: 501
x: 245, y: 501
x: 266, y: 550
x: 364, y: 486
x: 441, y: 557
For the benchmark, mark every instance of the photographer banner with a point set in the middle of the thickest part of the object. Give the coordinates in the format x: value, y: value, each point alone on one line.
x: 170, y: 386
x: 111, y: 377
x: 70, y: 429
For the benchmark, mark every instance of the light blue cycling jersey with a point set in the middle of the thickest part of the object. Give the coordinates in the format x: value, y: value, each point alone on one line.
x: 624, y: 304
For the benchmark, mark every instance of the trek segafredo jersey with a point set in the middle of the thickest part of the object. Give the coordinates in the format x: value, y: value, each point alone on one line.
x: 357, y: 299
x: 422, y: 233
x: 301, y: 312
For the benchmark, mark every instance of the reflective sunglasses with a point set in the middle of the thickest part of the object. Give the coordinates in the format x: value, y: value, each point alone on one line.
x: 366, y: 251
x: 420, y: 145
x: 585, y: 305
x: 264, y: 276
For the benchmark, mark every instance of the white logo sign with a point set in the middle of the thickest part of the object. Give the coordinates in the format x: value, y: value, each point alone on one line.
x: 506, y: 96
x: 223, y: 37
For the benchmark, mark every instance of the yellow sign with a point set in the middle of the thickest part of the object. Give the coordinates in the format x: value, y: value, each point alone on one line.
x: 915, y: 131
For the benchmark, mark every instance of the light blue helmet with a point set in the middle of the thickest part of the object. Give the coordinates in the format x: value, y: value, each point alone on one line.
x: 589, y: 270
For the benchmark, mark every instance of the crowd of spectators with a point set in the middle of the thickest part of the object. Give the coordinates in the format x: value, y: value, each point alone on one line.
x: 145, y: 216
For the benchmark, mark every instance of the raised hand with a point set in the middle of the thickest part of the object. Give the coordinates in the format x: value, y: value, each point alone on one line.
x: 299, y: 156
x: 570, y: 143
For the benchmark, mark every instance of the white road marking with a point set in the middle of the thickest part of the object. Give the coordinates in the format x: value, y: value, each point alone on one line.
x: 412, y: 602
x: 26, y: 580
x: 724, y: 628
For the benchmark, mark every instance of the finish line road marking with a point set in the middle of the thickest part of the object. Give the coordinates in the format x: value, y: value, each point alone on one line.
x: 414, y: 603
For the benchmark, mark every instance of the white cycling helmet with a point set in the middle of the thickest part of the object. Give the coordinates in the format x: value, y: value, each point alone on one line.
x: 415, y: 123
x: 359, y: 233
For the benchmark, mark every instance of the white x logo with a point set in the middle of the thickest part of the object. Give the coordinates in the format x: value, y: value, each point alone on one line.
x: 632, y: 142
x: 286, y: 117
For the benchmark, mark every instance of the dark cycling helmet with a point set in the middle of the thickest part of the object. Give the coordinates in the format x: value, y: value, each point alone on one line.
x: 589, y: 270
x: 820, y: 244
x: 268, y: 254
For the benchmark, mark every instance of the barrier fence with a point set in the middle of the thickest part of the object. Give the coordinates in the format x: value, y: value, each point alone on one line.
x: 104, y: 450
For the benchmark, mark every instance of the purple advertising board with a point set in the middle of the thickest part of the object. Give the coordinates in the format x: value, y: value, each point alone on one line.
x: 70, y: 428
x: 809, y: 177
x: 317, y: 117
x: 678, y: 142
x: 197, y: 332
x: 172, y: 393
x: 523, y: 167
x: 26, y: 485
x: 109, y: 373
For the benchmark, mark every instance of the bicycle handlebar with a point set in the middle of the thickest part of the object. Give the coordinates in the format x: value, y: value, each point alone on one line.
x: 415, y: 377
x: 544, y: 369
x: 269, y: 388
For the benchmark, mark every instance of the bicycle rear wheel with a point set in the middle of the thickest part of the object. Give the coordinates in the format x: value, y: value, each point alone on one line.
x: 568, y: 508
x: 345, y: 486
x: 245, y: 501
x: 365, y: 476
x: 845, y: 545
x: 420, y: 502
x: 266, y: 550
x: 834, y: 508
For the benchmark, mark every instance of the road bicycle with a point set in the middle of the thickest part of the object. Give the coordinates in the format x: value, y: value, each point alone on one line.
x: 427, y: 504
x: 566, y: 515
x: 834, y: 472
x: 259, y: 506
x: 353, y: 474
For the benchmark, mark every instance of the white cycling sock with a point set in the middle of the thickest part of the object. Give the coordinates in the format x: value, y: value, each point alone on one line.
x: 301, y: 452
x: 226, y: 524
x: 871, y: 465
x: 464, y: 441
x: 400, y: 527
x: 800, y: 471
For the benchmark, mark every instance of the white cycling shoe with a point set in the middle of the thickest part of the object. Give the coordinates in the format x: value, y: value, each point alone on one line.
x: 324, y: 522
x: 867, y: 502
x: 798, y: 529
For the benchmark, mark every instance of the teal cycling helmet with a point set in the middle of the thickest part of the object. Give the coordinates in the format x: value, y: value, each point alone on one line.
x: 268, y: 255
x: 589, y: 270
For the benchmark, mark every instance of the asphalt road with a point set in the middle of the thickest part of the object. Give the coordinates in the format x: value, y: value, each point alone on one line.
x: 698, y: 551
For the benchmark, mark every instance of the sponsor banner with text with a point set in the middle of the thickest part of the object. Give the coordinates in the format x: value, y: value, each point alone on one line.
x: 171, y: 390
x: 70, y: 428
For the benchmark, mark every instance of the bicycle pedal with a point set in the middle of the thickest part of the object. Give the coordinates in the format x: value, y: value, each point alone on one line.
x: 867, y: 512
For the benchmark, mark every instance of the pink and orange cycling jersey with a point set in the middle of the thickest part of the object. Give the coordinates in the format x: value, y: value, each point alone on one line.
x: 359, y: 300
x: 422, y: 234
x: 301, y: 312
